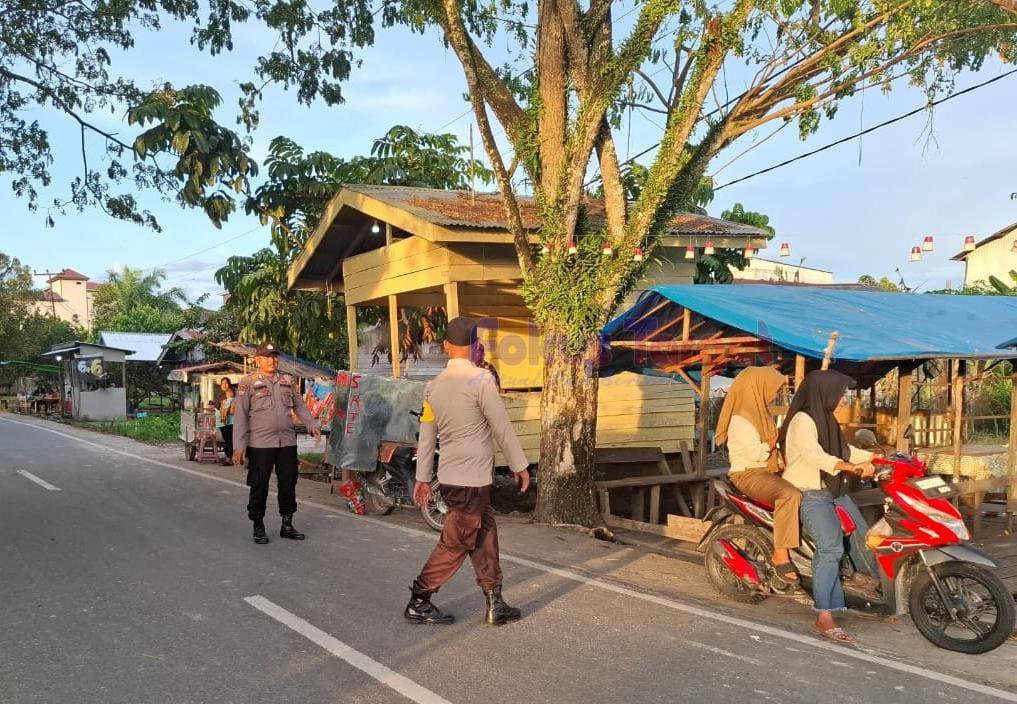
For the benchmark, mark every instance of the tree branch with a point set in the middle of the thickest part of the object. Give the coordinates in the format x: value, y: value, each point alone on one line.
x: 455, y: 31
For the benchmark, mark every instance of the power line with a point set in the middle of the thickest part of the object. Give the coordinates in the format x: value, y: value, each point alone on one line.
x: 870, y: 129
x: 209, y: 249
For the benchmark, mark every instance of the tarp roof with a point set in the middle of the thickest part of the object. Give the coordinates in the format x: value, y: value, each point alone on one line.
x: 873, y: 326
x: 288, y: 364
x: 147, y: 346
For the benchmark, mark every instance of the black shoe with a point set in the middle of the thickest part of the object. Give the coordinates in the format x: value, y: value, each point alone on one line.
x: 421, y: 610
x: 288, y: 531
x: 498, y: 612
x: 260, y: 536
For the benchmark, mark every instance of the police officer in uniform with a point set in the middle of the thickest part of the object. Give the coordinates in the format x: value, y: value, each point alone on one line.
x: 462, y: 406
x: 263, y: 433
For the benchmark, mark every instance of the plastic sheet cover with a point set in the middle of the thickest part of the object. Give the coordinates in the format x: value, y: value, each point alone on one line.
x: 368, y: 410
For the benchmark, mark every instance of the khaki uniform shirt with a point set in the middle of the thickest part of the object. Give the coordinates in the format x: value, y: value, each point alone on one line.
x: 462, y: 405
x: 262, y: 407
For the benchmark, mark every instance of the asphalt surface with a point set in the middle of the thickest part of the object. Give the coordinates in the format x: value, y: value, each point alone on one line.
x: 126, y: 580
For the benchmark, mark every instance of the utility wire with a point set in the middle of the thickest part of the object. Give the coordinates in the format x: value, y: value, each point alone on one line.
x: 856, y: 135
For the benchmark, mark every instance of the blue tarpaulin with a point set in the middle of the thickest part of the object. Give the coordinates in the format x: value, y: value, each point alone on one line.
x: 873, y: 326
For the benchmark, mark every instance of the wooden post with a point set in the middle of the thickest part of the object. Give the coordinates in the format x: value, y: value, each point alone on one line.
x: 393, y: 332
x: 351, y: 335
x: 799, y: 371
x: 1011, y: 453
x: 452, y: 300
x: 704, y: 412
x: 686, y: 324
x: 388, y: 234
x: 958, y: 419
x: 903, y: 408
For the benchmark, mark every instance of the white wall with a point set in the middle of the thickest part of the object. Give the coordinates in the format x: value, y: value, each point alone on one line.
x: 995, y: 258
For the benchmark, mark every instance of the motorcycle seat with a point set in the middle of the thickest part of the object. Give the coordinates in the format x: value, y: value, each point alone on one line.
x: 742, y: 495
x: 387, y: 448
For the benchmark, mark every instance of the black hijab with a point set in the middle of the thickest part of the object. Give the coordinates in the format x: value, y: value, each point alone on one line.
x: 818, y: 398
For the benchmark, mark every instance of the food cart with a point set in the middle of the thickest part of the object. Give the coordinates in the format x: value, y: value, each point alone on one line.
x: 195, y: 387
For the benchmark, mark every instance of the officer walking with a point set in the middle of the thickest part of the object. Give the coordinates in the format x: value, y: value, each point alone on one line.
x: 462, y: 406
x: 263, y: 433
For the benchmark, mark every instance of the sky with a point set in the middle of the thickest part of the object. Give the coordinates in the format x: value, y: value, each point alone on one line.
x: 853, y: 209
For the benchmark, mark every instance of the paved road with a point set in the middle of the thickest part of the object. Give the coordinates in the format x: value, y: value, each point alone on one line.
x: 132, y: 581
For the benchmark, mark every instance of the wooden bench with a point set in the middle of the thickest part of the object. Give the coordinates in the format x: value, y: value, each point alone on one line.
x: 639, y: 485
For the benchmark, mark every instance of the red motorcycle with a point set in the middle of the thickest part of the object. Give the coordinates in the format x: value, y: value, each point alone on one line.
x: 925, y: 567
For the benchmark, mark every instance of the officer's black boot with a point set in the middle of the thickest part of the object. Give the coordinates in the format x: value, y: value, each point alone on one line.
x: 288, y: 531
x: 421, y: 610
x: 498, y: 612
x: 260, y: 536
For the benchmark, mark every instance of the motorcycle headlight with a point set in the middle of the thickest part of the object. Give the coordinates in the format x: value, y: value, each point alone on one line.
x: 956, y: 525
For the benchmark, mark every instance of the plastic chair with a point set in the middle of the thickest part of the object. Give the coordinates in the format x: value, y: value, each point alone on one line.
x: 207, y: 440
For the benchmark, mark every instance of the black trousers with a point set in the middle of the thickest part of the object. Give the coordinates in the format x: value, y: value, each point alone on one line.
x: 227, y: 440
x: 260, y: 461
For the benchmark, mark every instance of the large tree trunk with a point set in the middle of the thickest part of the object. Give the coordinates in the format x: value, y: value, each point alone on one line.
x: 568, y: 427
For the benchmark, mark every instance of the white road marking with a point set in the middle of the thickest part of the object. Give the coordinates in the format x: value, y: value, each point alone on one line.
x: 405, y: 686
x: 41, y: 482
x: 856, y: 653
x: 721, y: 651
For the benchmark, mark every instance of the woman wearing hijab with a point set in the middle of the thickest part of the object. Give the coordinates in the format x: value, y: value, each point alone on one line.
x: 747, y: 427
x: 817, y: 455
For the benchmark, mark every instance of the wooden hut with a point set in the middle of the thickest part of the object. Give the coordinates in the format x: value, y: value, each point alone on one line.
x: 401, y: 247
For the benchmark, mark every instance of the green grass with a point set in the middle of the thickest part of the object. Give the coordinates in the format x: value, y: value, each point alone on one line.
x: 161, y: 428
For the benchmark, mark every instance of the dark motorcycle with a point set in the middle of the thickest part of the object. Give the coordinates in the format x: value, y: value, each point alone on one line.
x: 390, y: 485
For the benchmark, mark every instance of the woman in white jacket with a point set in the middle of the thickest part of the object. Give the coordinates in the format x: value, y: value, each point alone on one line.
x: 746, y: 426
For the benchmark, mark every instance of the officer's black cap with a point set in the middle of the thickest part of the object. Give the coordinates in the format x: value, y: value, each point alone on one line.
x: 266, y: 349
x: 461, y: 331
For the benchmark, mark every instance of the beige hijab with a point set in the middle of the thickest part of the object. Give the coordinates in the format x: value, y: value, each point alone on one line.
x: 753, y: 389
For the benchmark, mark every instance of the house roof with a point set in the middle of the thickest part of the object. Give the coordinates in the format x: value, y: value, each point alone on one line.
x: 485, y: 211
x: 147, y: 346
x: 92, y: 285
x: 48, y: 296
x: 872, y: 326
x: 184, y: 335
x: 347, y: 227
x: 225, y: 366
x: 962, y: 255
x: 67, y: 275
x: 288, y: 364
x: 75, y: 345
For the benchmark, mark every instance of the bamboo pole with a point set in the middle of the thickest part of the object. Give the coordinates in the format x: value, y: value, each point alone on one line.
x: 828, y: 352
x: 799, y: 370
x: 686, y: 323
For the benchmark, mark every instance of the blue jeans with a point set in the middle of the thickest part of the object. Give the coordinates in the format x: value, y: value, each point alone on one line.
x: 819, y: 517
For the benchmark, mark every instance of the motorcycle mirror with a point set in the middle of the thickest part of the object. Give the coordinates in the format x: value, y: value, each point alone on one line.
x: 865, y: 438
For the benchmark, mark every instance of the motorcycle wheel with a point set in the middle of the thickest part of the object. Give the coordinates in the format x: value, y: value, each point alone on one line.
x: 434, y: 513
x: 756, y: 544
x: 373, y: 504
x: 985, y: 608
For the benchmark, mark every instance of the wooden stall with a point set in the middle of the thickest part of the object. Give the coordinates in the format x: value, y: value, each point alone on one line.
x: 695, y: 333
x: 394, y: 248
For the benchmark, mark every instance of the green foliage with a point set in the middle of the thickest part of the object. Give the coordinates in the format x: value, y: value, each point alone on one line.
x: 15, y: 294
x: 882, y: 283
x: 158, y: 429
x: 1003, y: 288
x: 131, y: 301
x: 310, y: 324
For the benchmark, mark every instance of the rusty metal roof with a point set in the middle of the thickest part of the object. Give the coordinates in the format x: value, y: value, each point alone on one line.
x: 485, y: 211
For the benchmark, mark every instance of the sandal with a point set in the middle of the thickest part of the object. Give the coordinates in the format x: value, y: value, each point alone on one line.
x: 837, y: 634
x: 785, y: 569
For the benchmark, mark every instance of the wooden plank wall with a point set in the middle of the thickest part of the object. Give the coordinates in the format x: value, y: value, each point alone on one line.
x: 633, y: 411
x: 407, y: 265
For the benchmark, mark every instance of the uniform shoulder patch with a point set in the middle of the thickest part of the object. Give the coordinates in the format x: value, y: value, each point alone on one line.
x: 427, y: 414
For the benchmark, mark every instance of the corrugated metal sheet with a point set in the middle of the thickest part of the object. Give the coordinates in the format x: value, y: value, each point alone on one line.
x: 288, y: 364
x: 485, y: 211
x: 147, y: 346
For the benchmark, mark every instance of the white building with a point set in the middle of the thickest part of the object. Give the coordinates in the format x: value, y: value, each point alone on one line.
x: 760, y: 269
x: 996, y: 255
x: 69, y: 297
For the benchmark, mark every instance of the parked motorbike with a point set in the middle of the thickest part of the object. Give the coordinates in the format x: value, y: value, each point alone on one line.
x: 390, y: 485
x: 925, y: 567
